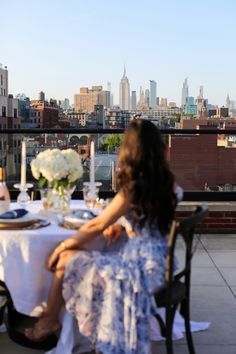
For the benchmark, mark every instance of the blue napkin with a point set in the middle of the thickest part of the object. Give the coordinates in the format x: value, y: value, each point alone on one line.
x: 13, y: 214
x: 83, y: 214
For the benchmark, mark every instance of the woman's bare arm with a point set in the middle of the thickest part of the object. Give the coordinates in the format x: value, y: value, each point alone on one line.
x: 119, y: 206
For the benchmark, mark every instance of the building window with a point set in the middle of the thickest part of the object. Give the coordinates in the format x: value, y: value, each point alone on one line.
x: 4, y: 111
x: 1, y: 80
x: 1, y: 92
x: 15, y: 112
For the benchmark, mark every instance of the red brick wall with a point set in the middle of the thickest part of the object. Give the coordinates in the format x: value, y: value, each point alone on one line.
x: 215, y: 221
x: 196, y: 160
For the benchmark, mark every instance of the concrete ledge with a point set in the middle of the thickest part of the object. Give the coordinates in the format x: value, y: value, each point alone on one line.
x: 220, y: 219
x: 213, y: 206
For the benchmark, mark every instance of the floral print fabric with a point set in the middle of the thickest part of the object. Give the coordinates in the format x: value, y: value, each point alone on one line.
x: 109, y: 293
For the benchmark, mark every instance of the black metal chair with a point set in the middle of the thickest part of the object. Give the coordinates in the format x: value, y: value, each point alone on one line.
x: 4, y: 301
x: 176, y: 291
x: 16, y: 322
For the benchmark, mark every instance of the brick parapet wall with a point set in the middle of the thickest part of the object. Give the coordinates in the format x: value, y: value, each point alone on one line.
x: 221, y: 217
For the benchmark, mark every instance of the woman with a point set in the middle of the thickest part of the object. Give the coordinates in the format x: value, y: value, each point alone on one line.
x: 109, y: 293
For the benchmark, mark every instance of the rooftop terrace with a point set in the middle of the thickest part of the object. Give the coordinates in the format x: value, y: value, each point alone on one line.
x: 213, y: 299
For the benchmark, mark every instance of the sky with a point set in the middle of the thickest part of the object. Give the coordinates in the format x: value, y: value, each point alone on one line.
x: 58, y: 46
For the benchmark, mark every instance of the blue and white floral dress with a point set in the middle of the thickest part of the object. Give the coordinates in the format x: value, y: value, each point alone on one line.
x: 108, y: 293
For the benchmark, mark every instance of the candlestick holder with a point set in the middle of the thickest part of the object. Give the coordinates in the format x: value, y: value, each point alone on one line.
x: 23, y: 197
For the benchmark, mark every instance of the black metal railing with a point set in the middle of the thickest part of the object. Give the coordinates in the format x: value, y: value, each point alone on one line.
x: 188, y: 195
x: 113, y: 131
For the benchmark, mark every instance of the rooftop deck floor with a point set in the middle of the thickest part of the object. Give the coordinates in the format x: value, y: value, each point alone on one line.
x: 213, y: 298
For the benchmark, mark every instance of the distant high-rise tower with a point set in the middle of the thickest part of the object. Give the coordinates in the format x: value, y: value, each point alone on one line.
x: 201, y: 104
x: 142, y: 103
x: 141, y: 95
x: 147, y: 96
x: 108, y: 86
x: 153, y: 94
x: 200, y: 92
x: 41, y: 96
x: 133, y: 100
x: 124, y: 92
x: 228, y: 102
x: 111, y: 94
x: 184, y: 92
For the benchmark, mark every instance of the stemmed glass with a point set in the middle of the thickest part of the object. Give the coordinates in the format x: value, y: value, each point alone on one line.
x: 90, y: 193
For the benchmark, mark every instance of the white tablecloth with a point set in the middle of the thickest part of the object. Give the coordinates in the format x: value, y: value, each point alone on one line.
x: 22, y: 261
x: 22, y: 267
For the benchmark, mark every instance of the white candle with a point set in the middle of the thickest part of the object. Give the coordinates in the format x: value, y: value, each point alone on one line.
x: 23, y: 164
x: 92, y: 170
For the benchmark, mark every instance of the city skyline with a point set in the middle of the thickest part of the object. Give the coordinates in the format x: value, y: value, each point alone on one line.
x: 58, y: 49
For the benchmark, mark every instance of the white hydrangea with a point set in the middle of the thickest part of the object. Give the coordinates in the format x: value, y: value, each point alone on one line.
x: 75, y: 170
x: 56, y: 164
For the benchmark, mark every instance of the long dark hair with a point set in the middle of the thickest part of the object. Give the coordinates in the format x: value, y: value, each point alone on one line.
x: 144, y: 173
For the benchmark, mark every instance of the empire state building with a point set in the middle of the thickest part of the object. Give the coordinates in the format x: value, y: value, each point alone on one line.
x: 124, y: 92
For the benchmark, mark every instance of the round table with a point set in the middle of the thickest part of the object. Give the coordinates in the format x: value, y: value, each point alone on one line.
x: 23, y: 255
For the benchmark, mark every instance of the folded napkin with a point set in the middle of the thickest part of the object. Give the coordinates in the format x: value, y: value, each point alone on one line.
x: 83, y: 214
x: 13, y: 214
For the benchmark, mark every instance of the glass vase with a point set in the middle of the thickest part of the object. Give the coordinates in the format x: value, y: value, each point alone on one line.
x: 57, y: 199
x: 62, y: 198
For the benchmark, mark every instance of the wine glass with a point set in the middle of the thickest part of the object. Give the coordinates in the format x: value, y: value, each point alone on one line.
x: 90, y: 193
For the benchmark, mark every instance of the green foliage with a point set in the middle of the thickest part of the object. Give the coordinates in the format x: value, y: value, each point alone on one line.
x: 43, y: 182
x: 111, y: 142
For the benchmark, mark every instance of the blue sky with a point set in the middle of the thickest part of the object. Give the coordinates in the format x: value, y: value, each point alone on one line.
x: 60, y: 45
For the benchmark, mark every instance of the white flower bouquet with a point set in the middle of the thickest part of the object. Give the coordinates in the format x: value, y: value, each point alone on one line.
x: 57, y: 168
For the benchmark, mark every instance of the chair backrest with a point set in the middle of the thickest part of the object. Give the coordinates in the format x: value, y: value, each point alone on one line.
x: 186, y: 229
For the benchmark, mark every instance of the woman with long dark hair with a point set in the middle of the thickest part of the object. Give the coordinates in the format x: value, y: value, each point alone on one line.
x: 109, y: 293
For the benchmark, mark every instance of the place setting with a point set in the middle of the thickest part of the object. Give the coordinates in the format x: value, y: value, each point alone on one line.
x: 19, y: 219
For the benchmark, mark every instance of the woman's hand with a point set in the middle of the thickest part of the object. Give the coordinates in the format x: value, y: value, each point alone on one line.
x: 112, y: 232
x: 54, y: 257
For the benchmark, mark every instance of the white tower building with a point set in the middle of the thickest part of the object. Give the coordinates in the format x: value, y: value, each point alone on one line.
x: 184, y: 92
x: 124, y: 101
x: 153, y: 94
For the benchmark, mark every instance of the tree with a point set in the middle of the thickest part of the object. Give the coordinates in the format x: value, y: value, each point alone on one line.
x: 111, y: 142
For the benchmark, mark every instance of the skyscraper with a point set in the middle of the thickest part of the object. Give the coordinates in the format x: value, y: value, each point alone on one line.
x: 147, y: 96
x: 124, y: 92
x: 133, y: 100
x: 190, y: 107
x: 141, y: 95
x: 200, y: 92
x: 201, y: 104
x: 228, y: 102
x: 111, y: 94
x: 153, y: 94
x: 184, y: 92
x: 41, y: 96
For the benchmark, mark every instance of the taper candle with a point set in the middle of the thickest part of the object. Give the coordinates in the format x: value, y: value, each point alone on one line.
x: 92, y: 169
x: 23, y: 164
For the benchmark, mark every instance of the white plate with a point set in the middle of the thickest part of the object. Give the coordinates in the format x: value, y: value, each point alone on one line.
x: 26, y: 217
x: 79, y: 217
